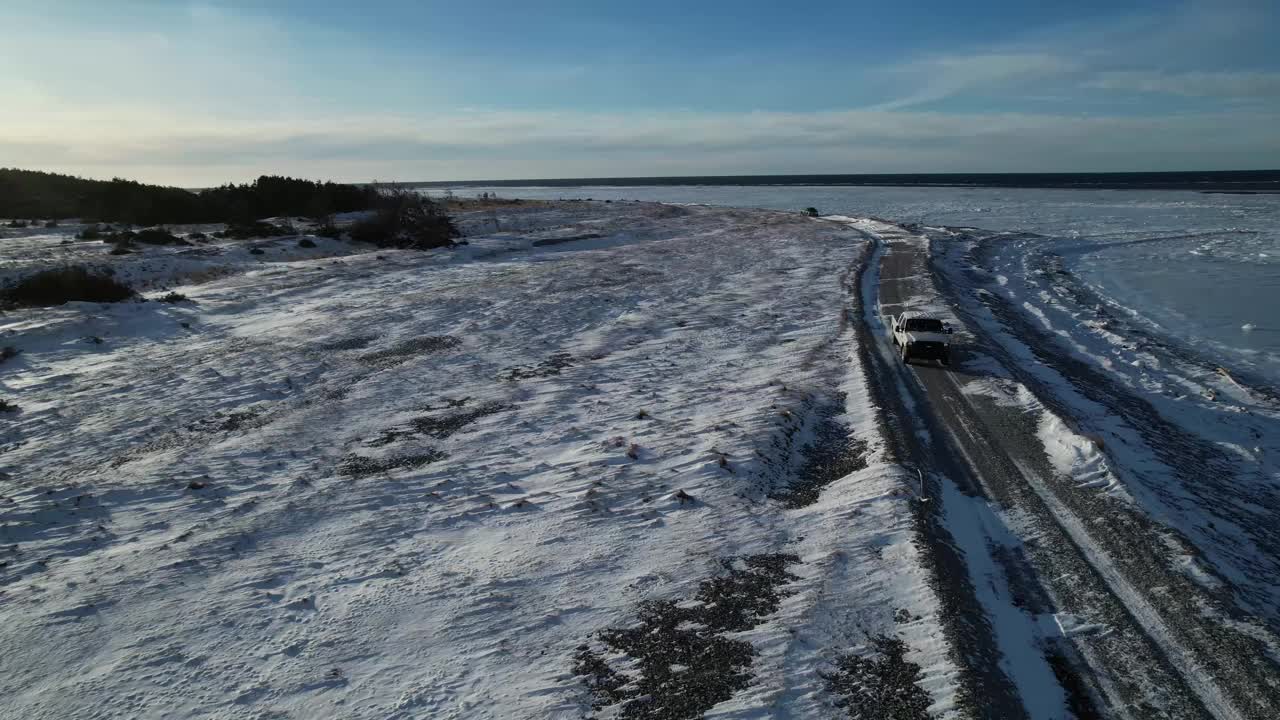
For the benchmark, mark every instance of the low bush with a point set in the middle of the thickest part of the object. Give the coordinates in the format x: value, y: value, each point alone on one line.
x: 123, y: 237
x: 197, y: 236
x: 120, y: 250
x: 811, y: 211
x: 406, y: 219
x: 7, y: 407
x: 172, y: 297
x: 92, y: 232
x: 157, y: 236
x: 255, y: 229
x: 306, y: 243
x: 16, y: 224
x: 8, y: 351
x: 57, y: 286
x: 327, y: 229
x: 50, y: 224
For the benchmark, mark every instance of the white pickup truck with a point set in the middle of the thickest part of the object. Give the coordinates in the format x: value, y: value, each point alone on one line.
x: 918, y: 336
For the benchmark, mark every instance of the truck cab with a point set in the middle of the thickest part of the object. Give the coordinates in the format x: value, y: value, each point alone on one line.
x: 921, y: 337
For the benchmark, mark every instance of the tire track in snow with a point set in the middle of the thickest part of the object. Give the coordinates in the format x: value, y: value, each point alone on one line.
x: 1179, y: 615
x: 1208, y: 691
x: 985, y: 688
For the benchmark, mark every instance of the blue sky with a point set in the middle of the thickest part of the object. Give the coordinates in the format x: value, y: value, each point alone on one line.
x: 194, y: 93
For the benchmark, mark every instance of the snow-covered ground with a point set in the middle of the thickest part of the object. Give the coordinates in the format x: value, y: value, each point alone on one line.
x: 1201, y: 268
x: 340, y: 482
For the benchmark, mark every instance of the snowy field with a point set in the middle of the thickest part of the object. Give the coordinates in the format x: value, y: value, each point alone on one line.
x: 633, y: 460
x: 608, y: 460
x: 1201, y: 269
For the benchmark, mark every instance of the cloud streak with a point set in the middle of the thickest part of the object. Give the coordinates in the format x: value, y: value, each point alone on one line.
x: 498, y: 144
x: 940, y: 78
x: 1233, y: 85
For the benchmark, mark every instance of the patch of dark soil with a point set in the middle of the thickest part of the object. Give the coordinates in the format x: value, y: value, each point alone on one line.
x: 677, y: 661
x: 358, y: 342
x: 438, y: 427
x: 199, y: 432
x: 231, y: 421
x: 402, y: 352
x: 833, y: 454
x: 361, y: 466
x: 568, y: 238
x: 903, y: 616
x: 882, y: 686
x: 551, y: 366
x: 443, y: 427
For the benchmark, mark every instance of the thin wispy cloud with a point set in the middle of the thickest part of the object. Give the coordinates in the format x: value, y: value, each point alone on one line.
x: 945, y: 77
x: 482, y: 145
x: 1234, y: 85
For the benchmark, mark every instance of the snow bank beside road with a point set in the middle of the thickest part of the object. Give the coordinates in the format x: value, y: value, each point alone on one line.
x: 414, y: 485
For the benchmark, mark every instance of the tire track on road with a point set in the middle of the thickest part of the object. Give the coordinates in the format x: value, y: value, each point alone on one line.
x: 1145, y: 667
x: 1102, y: 665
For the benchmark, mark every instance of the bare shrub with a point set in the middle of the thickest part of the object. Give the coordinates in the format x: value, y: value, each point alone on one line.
x: 57, y: 286
x: 256, y: 229
x: 157, y: 236
x: 327, y: 229
x: 406, y: 219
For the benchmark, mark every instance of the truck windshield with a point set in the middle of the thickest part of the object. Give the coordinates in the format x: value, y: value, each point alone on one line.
x: 924, y: 325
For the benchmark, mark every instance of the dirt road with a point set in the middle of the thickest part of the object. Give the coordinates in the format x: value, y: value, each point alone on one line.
x: 1060, y: 582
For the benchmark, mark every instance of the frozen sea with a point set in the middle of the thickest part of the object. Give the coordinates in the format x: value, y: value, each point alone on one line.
x: 1200, y: 268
